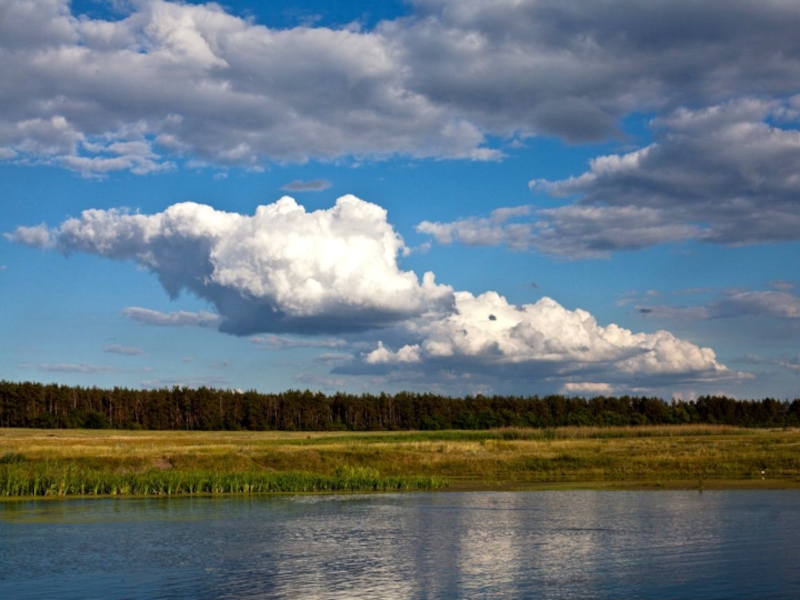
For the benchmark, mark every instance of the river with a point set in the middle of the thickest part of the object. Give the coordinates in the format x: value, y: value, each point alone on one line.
x: 553, y: 544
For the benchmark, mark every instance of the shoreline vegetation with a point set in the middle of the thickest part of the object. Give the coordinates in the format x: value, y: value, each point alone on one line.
x: 75, y: 462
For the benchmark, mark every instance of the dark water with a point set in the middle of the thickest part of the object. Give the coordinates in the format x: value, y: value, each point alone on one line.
x: 732, y: 544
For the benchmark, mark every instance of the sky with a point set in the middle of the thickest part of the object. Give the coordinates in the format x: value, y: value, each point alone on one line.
x: 450, y: 196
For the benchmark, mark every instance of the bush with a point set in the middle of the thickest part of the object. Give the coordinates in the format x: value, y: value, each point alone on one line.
x: 95, y: 420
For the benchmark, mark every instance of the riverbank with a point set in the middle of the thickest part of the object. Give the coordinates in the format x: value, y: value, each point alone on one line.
x: 108, y: 462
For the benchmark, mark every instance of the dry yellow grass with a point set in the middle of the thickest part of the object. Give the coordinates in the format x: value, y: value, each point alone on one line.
x: 658, y: 455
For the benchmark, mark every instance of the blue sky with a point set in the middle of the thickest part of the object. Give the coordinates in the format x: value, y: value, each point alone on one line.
x: 461, y: 197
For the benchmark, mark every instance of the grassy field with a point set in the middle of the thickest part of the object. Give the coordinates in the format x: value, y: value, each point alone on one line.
x: 66, y: 462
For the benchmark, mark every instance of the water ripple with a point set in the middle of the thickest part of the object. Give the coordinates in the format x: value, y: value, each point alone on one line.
x: 732, y: 544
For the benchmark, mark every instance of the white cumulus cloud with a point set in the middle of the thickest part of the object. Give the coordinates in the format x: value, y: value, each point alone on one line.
x: 284, y: 270
x: 490, y: 330
x: 281, y: 269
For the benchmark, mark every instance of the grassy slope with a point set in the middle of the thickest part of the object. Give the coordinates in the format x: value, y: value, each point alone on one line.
x: 675, y: 456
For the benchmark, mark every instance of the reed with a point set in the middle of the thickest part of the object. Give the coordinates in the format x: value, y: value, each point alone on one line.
x: 58, y: 479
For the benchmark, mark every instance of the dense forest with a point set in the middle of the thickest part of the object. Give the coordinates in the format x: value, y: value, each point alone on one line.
x: 59, y: 406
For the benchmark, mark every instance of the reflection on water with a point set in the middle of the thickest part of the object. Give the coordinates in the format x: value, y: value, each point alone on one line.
x: 585, y: 544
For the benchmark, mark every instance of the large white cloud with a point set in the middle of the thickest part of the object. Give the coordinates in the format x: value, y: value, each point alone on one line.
x: 282, y: 269
x: 488, y: 330
x: 287, y: 270
x: 175, y: 80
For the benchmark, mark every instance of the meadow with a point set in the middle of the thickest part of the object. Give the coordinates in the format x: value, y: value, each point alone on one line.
x: 35, y: 462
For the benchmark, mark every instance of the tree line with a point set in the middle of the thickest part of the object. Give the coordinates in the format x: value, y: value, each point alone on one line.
x: 179, y: 408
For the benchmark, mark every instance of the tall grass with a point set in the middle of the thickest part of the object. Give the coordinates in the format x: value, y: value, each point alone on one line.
x: 65, y: 462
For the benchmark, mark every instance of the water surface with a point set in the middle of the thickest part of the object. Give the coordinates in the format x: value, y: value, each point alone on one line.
x: 581, y: 544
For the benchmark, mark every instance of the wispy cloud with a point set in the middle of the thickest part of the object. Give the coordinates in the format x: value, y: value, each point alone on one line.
x: 68, y: 368
x: 145, y: 316
x: 693, y: 291
x: 478, y: 231
x: 275, y: 342
x: 781, y: 305
x: 333, y: 358
x: 790, y: 364
x: 314, y: 185
x: 124, y: 350
x: 782, y: 285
